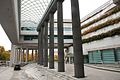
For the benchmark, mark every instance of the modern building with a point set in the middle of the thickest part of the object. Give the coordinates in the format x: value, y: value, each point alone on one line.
x: 22, y: 27
x: 30, y: 25
x: 101, y: 34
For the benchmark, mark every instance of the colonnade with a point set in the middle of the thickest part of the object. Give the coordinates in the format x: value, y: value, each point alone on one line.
x: 23, y: 55
x: 77, y: 42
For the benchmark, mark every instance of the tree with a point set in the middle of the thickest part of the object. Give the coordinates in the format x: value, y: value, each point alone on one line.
x: 4, y: 55
x: 1, y: 49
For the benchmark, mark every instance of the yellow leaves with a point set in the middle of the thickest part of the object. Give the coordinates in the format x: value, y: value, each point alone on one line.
x: 4, y: 55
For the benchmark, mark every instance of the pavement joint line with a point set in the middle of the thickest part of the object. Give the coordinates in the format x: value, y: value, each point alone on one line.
x: 103, y: 68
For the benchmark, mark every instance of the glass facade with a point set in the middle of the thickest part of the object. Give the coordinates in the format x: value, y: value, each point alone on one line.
x: 30, y: 37
x: 28, y: 28
x: 106, y: 56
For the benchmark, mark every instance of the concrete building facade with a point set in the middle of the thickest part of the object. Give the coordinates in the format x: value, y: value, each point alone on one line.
x: 30, y: 25
x: 100, y: 34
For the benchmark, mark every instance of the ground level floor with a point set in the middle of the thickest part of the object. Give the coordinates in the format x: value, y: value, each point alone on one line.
x: 37, y: 72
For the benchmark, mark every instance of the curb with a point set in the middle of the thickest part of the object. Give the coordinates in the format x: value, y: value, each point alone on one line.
x: 103, y: 68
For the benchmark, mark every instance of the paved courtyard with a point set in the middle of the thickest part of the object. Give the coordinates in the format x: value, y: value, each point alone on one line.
x: 36, y: 72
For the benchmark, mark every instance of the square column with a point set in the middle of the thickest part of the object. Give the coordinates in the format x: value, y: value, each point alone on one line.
x: 20, y: 52
x: 39, y: 44
x: 40, y: 47
x: 32, y: 58
x: 77, y: 40
x: 36, y: 56
x: 51, y: 42
x: 27, y: 52
x: 13, y: 55
x: 16, y: 55
x: 45, y: 59
x: 23, y: 55
x: 61, y: 66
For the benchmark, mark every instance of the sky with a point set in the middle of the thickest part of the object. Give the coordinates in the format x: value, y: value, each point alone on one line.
x: 86, y: 6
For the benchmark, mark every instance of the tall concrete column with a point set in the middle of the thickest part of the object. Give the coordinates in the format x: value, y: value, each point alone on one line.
x: 36, y: 56
x: 77, y: 40
x: 13, y: 55
x: 61, y: 67
x: 23, y: 55
x: 20, y: 52
x: 39, y: 44
x: 43, y: 43
x: 46, y: 45
x: 16, y: 55
x: 27, y: 52
x: 32, y: 58
x: 51, y: 42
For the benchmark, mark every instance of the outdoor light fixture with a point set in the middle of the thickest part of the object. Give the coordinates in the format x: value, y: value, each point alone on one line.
x: 117, y: 2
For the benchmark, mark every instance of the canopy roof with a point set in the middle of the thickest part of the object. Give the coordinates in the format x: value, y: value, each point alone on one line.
x: 32, y: 12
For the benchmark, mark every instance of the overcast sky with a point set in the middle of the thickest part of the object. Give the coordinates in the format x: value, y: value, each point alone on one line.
x: 86, y: 6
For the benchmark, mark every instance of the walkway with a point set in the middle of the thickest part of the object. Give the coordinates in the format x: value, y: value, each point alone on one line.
x: 6, y: 73
x: 41, y: 73
x: 36, y: 72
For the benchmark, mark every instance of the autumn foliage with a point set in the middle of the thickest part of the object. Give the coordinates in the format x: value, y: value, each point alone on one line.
x: 4, y: 55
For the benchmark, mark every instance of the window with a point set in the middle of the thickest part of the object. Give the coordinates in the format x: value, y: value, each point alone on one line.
x: 30, y: 37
